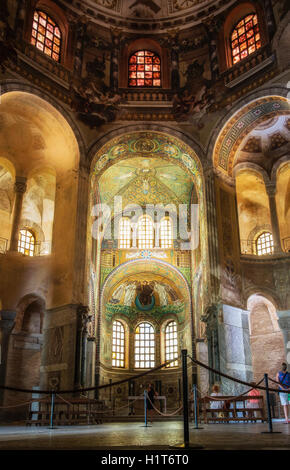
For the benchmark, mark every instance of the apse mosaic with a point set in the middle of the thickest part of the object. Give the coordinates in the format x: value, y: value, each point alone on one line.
x: 147, y: 293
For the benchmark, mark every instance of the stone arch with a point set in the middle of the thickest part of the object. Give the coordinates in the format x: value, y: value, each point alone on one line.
x: 11, y: 85
x: 235, y: 125
x: 24, y: 353
x: 266, y: 339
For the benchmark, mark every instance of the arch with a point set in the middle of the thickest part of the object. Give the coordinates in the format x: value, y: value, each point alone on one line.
x: 253, y: 167
x: 22, y: 306
x: 236, y: 124
x: 49, y: 104
x: 266, y: 339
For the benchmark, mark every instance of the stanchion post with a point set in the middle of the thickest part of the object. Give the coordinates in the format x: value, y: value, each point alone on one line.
x: 145, y: 407
x: 51, y: 410
x: 268, y: 403
x: 268, y: 408
x: 185, y: 398
x: 195, y: 407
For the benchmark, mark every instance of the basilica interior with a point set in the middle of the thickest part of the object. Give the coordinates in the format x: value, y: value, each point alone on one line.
x: 144, y: 195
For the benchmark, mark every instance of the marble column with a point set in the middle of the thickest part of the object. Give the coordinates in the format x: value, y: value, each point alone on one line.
x: 19, y: 188
x: 83, y: 319
x: 213, y: 255
x: 81, y: 282
x: 284, y: 323
x: 271, y: 191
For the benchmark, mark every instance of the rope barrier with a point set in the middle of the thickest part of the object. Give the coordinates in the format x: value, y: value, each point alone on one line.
x: 164, y: 414
x: 89, y: 389
x: 242, y: 382
x: 35, y: 400
x: 232, y: 398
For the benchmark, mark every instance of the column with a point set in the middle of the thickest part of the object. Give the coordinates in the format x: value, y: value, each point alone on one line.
x: 81, y: 339
x: 80, y: 287
x: 213, y: 255
x: 271, y: 191
x: 19, y: 188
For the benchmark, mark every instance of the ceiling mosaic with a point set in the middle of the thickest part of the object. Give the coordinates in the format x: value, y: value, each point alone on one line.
x: 260, y: 144
x: 149, y: 145
x: 242, y: 124
x: 144, y: 181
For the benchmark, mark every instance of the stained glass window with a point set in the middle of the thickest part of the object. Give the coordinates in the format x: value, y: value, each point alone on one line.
x: 26, y: 242
x: 171, y: 344
x: 245, y: 38
x: 144, y: 69
x: 144, y: 346
x: 46, y: 35
x: 118, y: 345
x: 145, y: 232
x: 124, y: 233
x: 166, y: 233
x: 264, y: 244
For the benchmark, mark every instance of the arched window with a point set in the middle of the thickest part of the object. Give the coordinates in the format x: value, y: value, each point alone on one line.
x: 166, y: 233
x: 245, y: 38
x: 264, y: 244
x: 145, y: 232
x: 144, y: 346
x: 26, y: 242
x: 118, y: 345
x: 144, y: 69
x: 46, y: 35
x: 171, y: 344
x: 124, y: 233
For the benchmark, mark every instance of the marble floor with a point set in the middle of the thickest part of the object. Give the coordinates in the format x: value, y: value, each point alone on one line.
x: 133, y: 435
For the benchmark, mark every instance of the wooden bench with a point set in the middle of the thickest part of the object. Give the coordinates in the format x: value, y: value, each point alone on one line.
x: 69, y: 412
x: 234, y: 413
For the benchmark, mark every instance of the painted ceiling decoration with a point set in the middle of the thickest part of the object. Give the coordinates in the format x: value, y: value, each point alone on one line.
x: 241, y: 124
x: 161, y: 9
